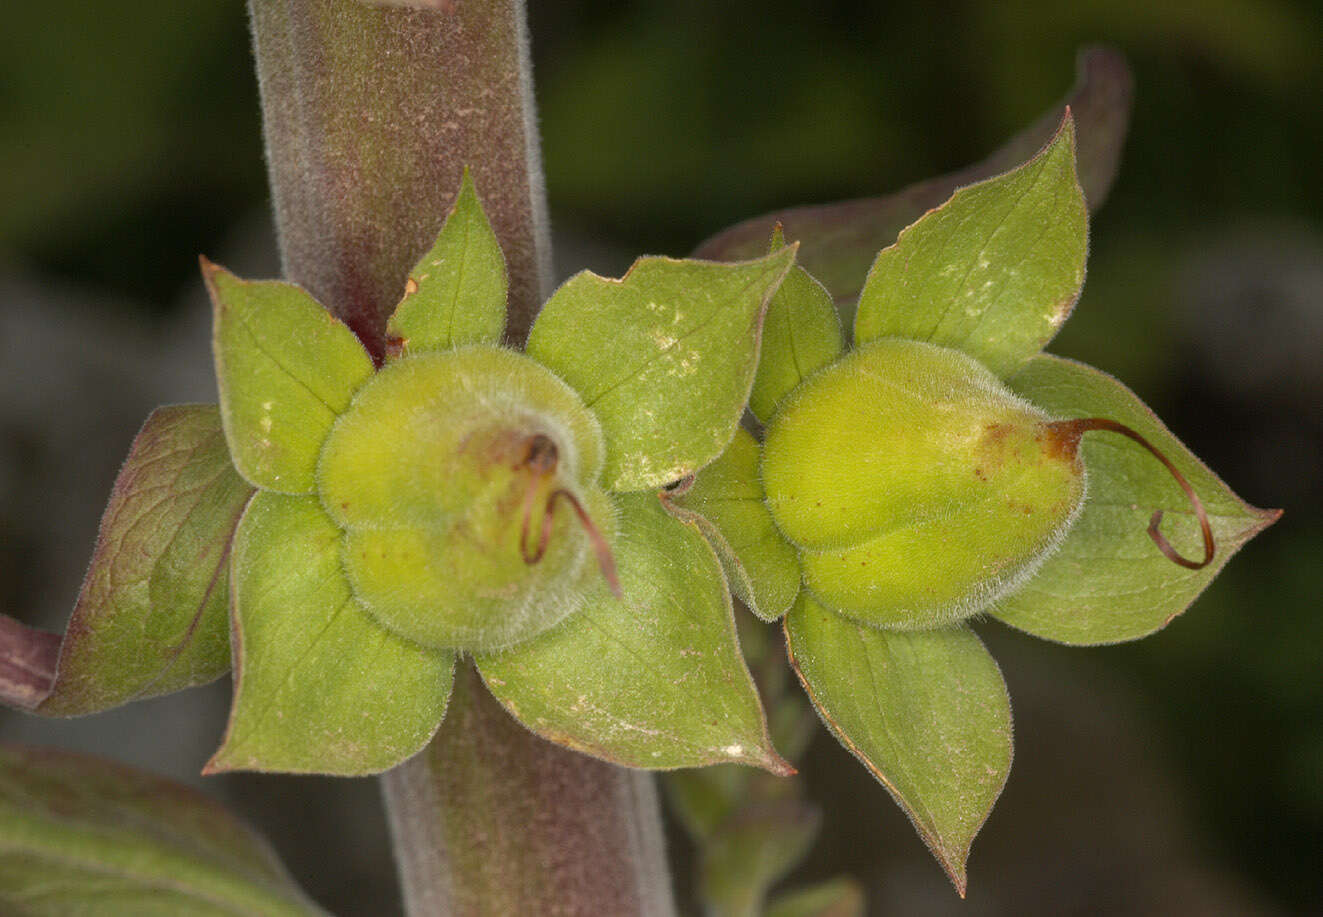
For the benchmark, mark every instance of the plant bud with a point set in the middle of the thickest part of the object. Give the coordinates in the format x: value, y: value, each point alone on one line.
x: 466, y: 486
x: 919, y: 489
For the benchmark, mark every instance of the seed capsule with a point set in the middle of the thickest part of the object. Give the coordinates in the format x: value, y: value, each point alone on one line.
x: 465, y: 483
x: 918, y: 488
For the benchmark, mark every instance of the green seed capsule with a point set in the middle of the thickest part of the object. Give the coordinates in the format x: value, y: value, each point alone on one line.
x: 456, y: 478
x: 916, y: 486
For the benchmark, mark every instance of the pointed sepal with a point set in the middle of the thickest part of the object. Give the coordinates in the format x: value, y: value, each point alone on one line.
x: 456, y: 293
x: 801, y: 334
x: 994, y: 271
x: 727, y: 504
x: 286, y: 368
x: 655, y: 680
x: 1108, y: 582
x: 320, y: 686
x: 664, y: 356
x: 926, y: 712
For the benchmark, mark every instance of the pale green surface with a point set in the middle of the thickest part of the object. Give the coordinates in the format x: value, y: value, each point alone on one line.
x: 801, y: 334
x: 701, y: 798
x: 918, y: 487
x: 456, y: 292
x: 390, y: 458
x: 1109, y: 582
x: 753, y: 851
x: 727, y: 496
x: 427, y: 474
x: 86, y: 837
x: 665, y: 358
x: 321, y: 687
x: 285, y: 368
x: 655, y: 681
x: 836, y: 898
x: 994, y: 271
x: 927, y: 713
x: 152, y: 616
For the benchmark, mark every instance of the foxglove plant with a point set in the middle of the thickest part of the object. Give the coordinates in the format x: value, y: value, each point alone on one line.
x: 420, y: 492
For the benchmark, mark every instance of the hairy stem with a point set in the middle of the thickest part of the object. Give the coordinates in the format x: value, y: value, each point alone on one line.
x: 371, y: 114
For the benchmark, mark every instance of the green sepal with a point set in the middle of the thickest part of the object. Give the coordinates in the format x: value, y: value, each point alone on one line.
x: 152, y: 615
x: 925, y: 712
x: 665, y: 357
x: 654, y: 681
x: 726, y: 503
x: 456, y: 293
x: 84, y: 836
x: 994, y: 271
x: 320, y: 686
x: 286, y: 368
x: 1108, y: 582
x: 801, y: 334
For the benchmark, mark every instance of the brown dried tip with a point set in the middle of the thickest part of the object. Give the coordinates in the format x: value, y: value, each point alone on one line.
x: 605, y: 559
x: 1074, y: 429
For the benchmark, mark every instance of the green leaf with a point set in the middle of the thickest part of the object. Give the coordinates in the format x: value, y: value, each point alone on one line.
x: 801, y: 333
x: 726, y: 504
x: 925, y: 711
x: 285, y: 368
x: 841, y: 239
x: 456, y: 292
x: 655, y: 681
x: 994, y: 271
x: 841, y: 897
x: 752, y: 852
x: 1108, y: 582
x: 320, y: 686
x: 152, y: 615
x: 664, y: 356
x: 83, y: 836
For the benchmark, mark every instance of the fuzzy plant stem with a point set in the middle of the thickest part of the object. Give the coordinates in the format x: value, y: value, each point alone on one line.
x: 370, y: 114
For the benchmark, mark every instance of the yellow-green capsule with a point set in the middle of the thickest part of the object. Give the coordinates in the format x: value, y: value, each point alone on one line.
x: 457, y: 478
x: 919, y: 489
x: 916, y: 486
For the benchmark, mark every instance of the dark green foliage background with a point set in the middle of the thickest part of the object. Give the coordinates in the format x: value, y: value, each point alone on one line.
x: 130, y: 141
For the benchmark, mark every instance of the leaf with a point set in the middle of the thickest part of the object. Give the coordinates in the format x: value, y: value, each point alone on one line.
x: 152, y: 617
x: 456, y: 292
x: 27, y: 663
x: 992, y: 272
x: 320, y: 686
x: 83, y: 836
x: 841, y: 239
x: 801, y: 333
x: 752, y: 852
x: 664, y: 356
x: 726, y: 504
x: 841, y: 897
x: 285, y: 368
x: 655, y: 681
x: 1108, y: 582
x: 925, y: 711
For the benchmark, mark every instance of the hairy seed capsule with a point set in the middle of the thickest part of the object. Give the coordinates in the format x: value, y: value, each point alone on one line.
x: 465, y: 483
x: 916, y: 486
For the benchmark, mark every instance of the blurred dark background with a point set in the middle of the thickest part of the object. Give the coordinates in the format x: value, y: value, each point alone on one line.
x: 1180, y: 774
